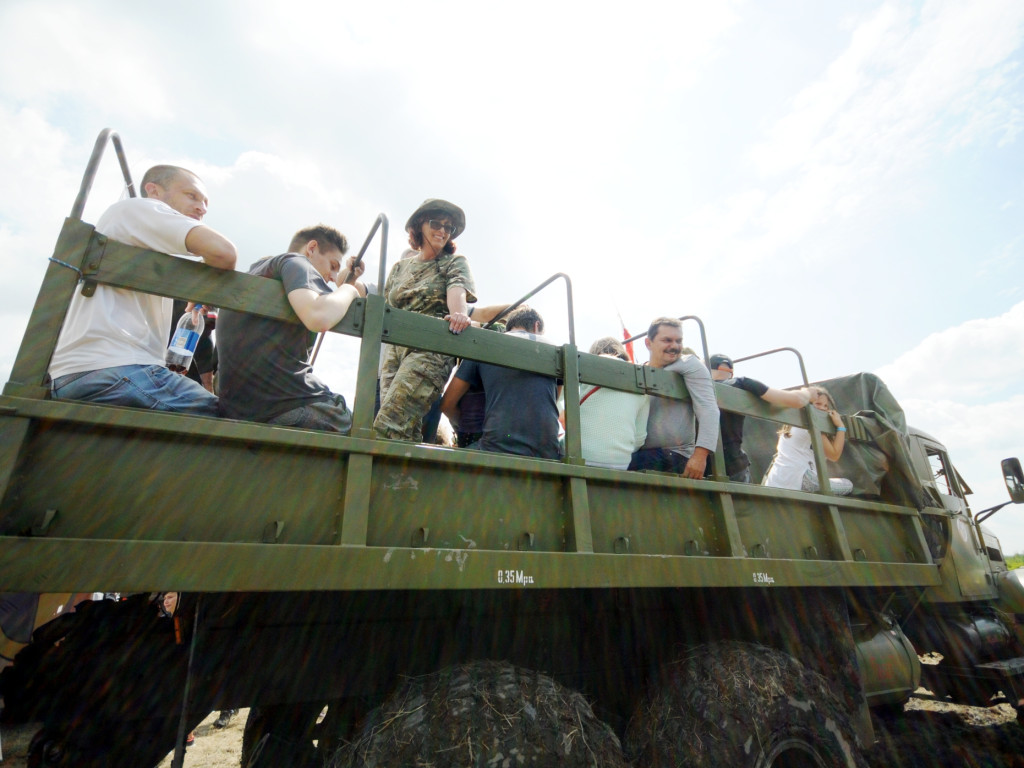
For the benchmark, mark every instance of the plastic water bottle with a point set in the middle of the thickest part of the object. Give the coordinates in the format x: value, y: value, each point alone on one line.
x: 183, y: 343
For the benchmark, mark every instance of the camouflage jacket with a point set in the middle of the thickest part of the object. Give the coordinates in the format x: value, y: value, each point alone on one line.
x: 422, y: 286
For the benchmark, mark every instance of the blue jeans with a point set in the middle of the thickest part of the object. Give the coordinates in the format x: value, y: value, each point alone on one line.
x: 659, y: 460
x: 137, y: 386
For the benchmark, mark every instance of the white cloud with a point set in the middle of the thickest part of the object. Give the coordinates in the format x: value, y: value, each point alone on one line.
x: 908, y: 87
x: 978, y: 438
x: 962, y: 385
x: 77, y: 51
x: 977, y: 361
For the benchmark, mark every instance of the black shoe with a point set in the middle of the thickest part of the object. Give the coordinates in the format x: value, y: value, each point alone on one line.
x: 224, y: 718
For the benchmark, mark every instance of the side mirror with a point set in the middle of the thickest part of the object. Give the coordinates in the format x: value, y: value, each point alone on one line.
x: 1014, y: 478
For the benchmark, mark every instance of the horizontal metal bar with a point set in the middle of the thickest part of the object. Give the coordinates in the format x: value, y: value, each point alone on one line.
x: 137, y: 421
x: 138, y: 566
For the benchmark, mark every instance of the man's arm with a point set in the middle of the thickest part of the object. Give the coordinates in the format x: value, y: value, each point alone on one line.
x: 787, y: 398
x: 705, y: 409
x: 210, y: 245
x: 350, y: 273
x: 450, y: 402
x: 321, y: 312
x: 484, y: 315
x: 697, y: 464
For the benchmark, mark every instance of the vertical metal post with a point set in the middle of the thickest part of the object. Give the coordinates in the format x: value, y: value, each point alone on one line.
x: 76, y: 248
x: 179, y: 748
x: 825, y: 486
x: 369, y: 364
x: 571, y: 395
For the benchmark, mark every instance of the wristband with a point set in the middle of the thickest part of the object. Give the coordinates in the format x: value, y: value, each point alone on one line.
x: 840, y: 429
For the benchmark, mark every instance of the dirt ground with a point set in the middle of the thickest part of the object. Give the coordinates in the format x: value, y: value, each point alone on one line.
x: 214, y: 747
x: 929, y: 734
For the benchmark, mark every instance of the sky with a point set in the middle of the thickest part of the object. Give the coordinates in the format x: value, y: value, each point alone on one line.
x: 842, y: 178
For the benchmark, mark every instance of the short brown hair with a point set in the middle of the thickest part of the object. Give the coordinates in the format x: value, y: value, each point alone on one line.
x: 163, y: 175
x: 609, y: 345
x: 675, y: 322
x: 524, y: 317
x: 323, y: 234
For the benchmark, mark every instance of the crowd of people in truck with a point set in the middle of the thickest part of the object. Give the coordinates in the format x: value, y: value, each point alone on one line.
x: 111, y: 351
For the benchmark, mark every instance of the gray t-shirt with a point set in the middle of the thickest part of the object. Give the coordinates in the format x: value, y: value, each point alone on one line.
x: 263, y: 362
x: 671, y: 422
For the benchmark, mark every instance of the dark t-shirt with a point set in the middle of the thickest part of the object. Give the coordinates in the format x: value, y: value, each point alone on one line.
x: 736, y: 460
x: 521, y: 414
x: 263, y: 362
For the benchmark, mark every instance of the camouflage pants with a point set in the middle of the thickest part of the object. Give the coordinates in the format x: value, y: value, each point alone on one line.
x: 410, y: 381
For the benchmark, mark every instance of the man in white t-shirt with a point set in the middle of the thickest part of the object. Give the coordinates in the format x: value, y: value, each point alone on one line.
x: 111, y: 348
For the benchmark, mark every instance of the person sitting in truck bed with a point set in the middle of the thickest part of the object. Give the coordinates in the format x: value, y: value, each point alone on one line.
x: 111, y: 348
x: 794, y: 466
x: 675, y: 443
x: 737, y: 463
x: 521, y: 408
x: 264, y: 371
x: 613, y: 424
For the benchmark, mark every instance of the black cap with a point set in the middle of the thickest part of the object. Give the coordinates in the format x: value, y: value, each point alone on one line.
x: 717, y: 360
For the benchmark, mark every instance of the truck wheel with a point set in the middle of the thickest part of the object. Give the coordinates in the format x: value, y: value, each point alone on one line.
x: 99, y: 745
x: 483, y: 713
x: 44, y: 750
x: 745, y: 706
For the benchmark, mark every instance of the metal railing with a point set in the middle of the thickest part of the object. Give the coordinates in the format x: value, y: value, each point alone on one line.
x: 534, y: 292
x: 381, y: 223
x: 93, y: 166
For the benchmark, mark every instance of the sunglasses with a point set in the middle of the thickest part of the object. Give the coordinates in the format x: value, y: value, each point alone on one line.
x: 449, y: 229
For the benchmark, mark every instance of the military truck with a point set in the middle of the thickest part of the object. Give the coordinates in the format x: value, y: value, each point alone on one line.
x: 704, y: 622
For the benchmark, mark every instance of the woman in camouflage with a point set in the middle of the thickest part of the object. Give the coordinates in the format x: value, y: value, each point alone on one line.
x: 432, y: 281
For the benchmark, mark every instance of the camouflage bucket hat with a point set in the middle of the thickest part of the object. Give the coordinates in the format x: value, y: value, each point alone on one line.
x: 437, y: 205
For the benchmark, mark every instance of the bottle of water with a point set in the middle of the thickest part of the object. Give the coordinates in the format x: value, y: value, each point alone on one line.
x: 183, y: 343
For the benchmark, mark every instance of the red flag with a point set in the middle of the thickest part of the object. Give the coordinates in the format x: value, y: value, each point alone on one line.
x: 625, y: 337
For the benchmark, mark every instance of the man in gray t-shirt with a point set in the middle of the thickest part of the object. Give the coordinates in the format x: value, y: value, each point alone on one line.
x: 264, y: 371
x: 675, y: 443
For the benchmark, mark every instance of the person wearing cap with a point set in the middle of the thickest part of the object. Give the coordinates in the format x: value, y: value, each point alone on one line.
x: 437, y: 282
x: 681, y: 434
x: 737, y: 463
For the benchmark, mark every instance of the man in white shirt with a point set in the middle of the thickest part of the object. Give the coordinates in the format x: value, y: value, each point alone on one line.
x: 111, y: 348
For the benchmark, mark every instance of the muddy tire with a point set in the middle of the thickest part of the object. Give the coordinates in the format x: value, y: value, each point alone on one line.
x: 483, y: 714
x: 745, y: 706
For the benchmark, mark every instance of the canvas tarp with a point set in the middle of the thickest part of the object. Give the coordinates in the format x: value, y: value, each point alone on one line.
x: 876, y: 459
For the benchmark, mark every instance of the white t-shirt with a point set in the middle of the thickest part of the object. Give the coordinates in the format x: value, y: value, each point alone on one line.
x: 793, y: 457
x: 613, y: 424
x: 116, y: 326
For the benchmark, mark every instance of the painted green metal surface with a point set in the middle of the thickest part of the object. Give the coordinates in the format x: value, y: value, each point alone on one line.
x: 137, y: 500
